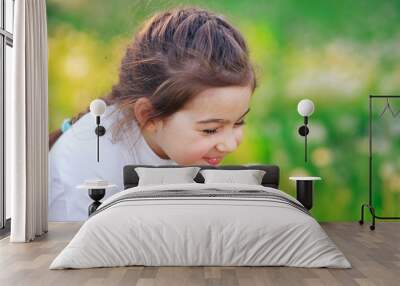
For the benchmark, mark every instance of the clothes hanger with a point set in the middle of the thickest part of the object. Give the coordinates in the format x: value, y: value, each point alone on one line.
x: 389, y: 107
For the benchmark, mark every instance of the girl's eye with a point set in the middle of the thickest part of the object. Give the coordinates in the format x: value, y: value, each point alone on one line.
x: 213, y: 131
x: 210, y: 131
x: 240, y: 123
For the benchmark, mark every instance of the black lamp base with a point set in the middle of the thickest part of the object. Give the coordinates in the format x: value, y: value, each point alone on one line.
x: 303, y: 130
x: 100, y: 130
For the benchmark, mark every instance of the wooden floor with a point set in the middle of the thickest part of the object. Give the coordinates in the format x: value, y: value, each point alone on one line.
x: 374, y: 255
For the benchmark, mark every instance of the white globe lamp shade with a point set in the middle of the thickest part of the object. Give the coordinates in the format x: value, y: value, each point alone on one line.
x: 97, y: 107
x: 305, y: 107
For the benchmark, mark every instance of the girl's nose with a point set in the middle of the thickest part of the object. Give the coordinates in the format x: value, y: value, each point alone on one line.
x: 229, y: 144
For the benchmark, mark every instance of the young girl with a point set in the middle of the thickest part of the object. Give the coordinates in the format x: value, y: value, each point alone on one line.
x: 184, y: 89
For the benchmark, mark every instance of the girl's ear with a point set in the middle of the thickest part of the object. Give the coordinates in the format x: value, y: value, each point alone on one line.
x: 142, y: 110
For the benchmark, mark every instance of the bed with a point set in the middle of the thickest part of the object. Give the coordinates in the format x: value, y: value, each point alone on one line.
x: 201, y: 224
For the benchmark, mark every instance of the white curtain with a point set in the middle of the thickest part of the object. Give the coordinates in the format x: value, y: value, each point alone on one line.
x: 26, y: 123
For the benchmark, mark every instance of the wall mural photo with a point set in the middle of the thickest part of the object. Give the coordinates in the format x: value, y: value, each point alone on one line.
x: 218, y: 83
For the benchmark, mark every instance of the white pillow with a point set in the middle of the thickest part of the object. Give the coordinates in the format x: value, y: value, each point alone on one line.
x: 161, y: 176
x: 249, y: 177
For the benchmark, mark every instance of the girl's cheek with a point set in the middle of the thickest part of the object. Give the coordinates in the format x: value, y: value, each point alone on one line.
x: 239, y: 137
x: 200, y: 149
x: 193, y: 156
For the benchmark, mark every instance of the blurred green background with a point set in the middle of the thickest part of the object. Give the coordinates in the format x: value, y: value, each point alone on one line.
x: 335, y: 53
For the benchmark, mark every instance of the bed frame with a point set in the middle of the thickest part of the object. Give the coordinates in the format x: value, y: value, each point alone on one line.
x: 270, y: 179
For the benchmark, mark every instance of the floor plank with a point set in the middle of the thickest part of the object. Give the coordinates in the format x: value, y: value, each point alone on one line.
x: 374, y: 255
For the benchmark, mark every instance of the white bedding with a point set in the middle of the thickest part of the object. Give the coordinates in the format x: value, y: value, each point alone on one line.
x: 182, y: 231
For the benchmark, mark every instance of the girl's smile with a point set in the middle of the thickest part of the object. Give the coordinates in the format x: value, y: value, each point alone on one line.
x: 213, y: 161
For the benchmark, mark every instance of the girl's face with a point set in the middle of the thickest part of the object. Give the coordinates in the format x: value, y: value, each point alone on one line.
x: 205, y: 130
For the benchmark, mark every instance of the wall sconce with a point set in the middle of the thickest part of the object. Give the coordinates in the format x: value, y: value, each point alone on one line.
x: 305, y: 109
x: 97, y: 108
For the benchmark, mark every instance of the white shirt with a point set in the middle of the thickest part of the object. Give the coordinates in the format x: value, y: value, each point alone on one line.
x: 73, y: 159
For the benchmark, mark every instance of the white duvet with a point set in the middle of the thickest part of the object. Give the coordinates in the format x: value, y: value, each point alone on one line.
x: 182, y: 231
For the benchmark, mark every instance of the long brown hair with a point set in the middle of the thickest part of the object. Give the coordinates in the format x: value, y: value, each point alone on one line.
x: 173, y: 57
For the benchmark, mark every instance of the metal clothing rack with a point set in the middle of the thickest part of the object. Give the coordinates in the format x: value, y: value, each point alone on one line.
x: 369, y: 205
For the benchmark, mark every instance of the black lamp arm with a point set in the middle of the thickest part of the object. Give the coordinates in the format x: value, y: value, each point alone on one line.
x: 304, y: 131
x: 100, y: 131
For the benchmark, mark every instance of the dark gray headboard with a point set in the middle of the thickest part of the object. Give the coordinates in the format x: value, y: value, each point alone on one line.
x: 270, y: 179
